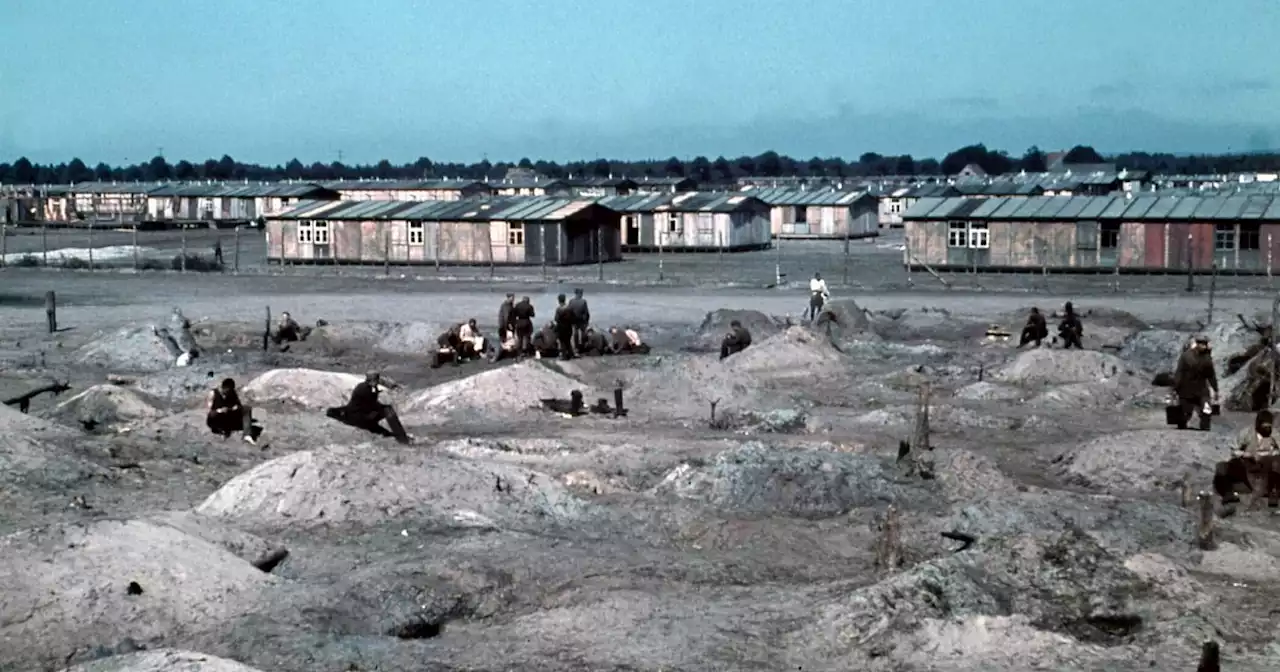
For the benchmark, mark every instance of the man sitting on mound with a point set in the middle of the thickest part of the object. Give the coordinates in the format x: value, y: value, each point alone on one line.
x: 626, y: 341
x: 365, y: 410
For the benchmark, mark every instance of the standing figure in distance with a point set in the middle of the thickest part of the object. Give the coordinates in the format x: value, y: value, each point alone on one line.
x: 582, y: 319
x: 818, y: 295
x: 1195, y: 383
x: 522, y: 315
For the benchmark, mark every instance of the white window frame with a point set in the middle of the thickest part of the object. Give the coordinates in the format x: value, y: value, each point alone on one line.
x: 957, y: 234
x: 306, y: 233
x: 417, y: 233
x: 979, y: 236
x: 515, y: 233
x: 675, y: 222
x: 320, y: 232
x: 1225, y: 238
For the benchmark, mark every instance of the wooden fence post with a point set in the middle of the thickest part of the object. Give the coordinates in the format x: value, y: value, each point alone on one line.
x: 136, y: 264
x: 44, y: 244
x: 266, y: 331
x: 91, y: 245
x: 600, y: 253
x: 4, y: 243
x: 439, y: 240
x: 1204, y: 526
x: 386, y: 252
x: 183, y: 263
x: 51, y: 310
x: 236, y: 252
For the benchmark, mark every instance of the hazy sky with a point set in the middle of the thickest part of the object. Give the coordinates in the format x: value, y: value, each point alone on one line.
x: 267, y: 80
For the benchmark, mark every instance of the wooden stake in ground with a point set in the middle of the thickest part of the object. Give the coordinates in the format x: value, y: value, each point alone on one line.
x: 51, y: 310
x: 1204, y: 527
x: 1187, y: 498
x: 889, y: 546
x: 266, y: 331
x: 919, y: 459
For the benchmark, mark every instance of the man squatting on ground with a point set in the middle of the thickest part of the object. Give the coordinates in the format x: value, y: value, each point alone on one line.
x: 226, y: 414
x: 1195, y: 383
x: 1071, y: 329
x: 1256, y: 460
x: 818, y: 295
x: 365, y: 410
x: 289, y: 331
x: 1035, y: 330
x: 737, y: 340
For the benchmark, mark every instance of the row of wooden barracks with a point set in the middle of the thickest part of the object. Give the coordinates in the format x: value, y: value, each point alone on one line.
x: 1233, y: 232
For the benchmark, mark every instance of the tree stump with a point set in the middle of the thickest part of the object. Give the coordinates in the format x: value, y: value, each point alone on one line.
x: 889, y: 545
x: 1204, y: 526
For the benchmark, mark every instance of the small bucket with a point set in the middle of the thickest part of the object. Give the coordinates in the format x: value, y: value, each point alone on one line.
x: 1173, y: 415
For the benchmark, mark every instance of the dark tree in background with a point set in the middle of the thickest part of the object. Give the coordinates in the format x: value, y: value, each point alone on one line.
x: 706, y: 170
x: 1035, y: 161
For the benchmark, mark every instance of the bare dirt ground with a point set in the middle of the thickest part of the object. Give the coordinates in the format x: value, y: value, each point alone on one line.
x: 508, y: 538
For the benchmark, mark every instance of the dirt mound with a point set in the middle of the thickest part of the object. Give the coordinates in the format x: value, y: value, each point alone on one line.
x: 985, y: 391
x: 1113, y: 317
x: 759, y: 479
x: 508, y: 390
x: 307, y: 388
x: 798, y: 350
x: 416, y: 338
x: 1158, y: 349
x: 1047, y: 366
x: 68, y: 588
x: 1065, y: 588
x: 248, y: 547
x: 1111, y: 393
x: 369, y: 484
x: 926, y: 324
x: 129, y: 349
x: 1143, y: 460
x: 25, y: 457
x: 843, y: 320
x: 104, y: 407
x: 684, y: 386
x: 715, y: 325
x: 189, y: 386
x: 163, y: 660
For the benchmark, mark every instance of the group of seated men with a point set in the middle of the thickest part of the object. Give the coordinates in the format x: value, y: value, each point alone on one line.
x: 569, y: 334
x: 1070, y: 330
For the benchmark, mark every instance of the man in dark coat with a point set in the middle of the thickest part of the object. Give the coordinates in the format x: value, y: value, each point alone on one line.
x: 566, y: 323
x: 581, y: 316
x: 737, y: 340
x: 504, y: 317
x: 226, y: 414
x: 1255, y: 461
x: 1195, y: 382
x: 1035, y: 329
x: 544, y: 342
x: 522, y: 315
x: 1071, y: 329
x: 365, y: 410
x: 594, y: 343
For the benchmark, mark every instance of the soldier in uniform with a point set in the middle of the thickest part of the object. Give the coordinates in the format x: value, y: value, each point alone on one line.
x: 1035, y: 330
x: 1195, y: 382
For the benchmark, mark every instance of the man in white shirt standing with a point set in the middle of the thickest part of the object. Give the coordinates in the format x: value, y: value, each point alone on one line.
x: 818, y: 295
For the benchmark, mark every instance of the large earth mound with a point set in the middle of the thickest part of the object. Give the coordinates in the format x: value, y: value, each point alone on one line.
x: 104, y: 407
x: 498, y: 392
x: 758, y: 479
x: 715, y: 325
x: 74, y: 587
x: 163, y: 660
x: 407, y: 338
x: 798, y: 350
x: 371, y: 484
x: 931, y: 324
x: 683, y: 386
x: 129, y: 349
x: 1050, y: 366
x: 28, y: 459
x: 307, y: 388
x: 1143, y: 460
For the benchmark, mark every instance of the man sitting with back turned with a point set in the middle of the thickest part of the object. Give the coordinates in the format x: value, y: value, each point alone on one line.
x: 737, y: 340
x: 365, y: 410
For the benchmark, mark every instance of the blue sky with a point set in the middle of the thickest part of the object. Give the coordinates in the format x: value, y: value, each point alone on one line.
x: 110, y: 80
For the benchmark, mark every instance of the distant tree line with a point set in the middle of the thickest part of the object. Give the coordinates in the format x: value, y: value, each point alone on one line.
x: 703, y: 169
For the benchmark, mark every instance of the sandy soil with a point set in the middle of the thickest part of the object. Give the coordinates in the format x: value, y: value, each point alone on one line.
x: 507, y: 537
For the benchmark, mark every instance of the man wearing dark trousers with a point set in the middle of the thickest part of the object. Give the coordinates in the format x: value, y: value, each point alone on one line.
x: 365, y: 410
x: 522, y: 315
x: 566, y: 324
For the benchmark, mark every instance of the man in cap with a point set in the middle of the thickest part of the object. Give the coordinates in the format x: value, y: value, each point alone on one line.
x: 289, y: 331
x: 1255, y: 463
x: 1035, y: 330
x: 1195, y: 383
x: 566, y: 323
x: 522, y: 315
x: 365, y: 410
x: 504, y: 317
x: 1071, y: 329
x: 581, y: 319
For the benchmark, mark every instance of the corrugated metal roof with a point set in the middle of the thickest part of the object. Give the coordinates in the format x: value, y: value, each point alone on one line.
x: 533, y: 208
x: 804, y: 197
x: 1149, y: 208
x: 237, y: 190
x: 400, y: 185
